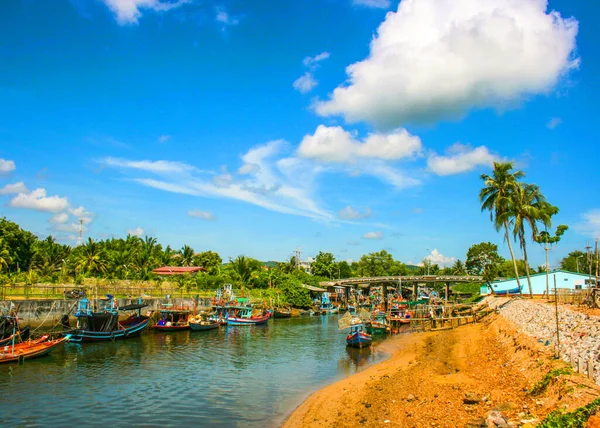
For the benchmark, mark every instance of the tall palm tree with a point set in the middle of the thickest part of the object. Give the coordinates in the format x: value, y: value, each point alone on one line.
x: 243, y: 268
x: 186, y: 256
x: 91, y: 259
x: 526, y: 207
x: 495, y: 198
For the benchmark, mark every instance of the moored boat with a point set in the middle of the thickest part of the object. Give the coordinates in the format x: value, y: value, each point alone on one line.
x: 282, y: 313
x: 242, y: 315
x: 378, y: 324
x: 203, y: 325
x: 357, y: 338
x: 29, y: 350
x: 327, y: 307
x: 172, y: 319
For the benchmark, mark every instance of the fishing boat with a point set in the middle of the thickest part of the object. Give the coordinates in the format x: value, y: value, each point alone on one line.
x: 327, y: 307
x: 378, y: 324
x: 282, y: 313
x: 243, y: 315
x: 103, y: 324
x: 202, y: 323
x: 9, y: 329
x: 172, y: 318
x: 28, y: 350
x: 358, y: 338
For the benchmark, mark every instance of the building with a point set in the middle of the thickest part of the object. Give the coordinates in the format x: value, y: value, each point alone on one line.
x: 564, y: 279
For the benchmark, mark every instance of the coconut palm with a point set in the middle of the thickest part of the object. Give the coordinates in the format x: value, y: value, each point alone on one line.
x: 526, y: 207
x: 495, y: 198
x: 243, y: 268
x: 186, y: 256
x: 91, y: 259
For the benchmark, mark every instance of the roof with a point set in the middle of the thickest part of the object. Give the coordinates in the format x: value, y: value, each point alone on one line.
x: 524, y: 277
x: 312, y: 288
x: 177, y: 270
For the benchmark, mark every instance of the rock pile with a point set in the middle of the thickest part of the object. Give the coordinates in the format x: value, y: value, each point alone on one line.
x: 579, y: 333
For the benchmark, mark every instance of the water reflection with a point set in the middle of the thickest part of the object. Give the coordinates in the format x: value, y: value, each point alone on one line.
x: 246, y: 375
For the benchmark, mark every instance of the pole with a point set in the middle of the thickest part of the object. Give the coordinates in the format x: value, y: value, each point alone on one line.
x: 557, y: 353
x: 547, y: 287
x: 596, y: 285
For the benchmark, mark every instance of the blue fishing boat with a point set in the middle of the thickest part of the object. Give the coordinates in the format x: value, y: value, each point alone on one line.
x: 515, y: 290
x: 242, y: 315
x: 378, y: 324
x: 358, y: 338
x: 326, y: 305
x: 103, y: 323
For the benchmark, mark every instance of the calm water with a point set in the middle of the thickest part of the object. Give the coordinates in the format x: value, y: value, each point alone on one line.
x: 228, y: 377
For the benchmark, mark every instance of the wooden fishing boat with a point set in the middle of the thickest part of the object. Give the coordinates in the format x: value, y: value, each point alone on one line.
x: 378, y: 324
x: 26, y: 350
x: 103, y: 324
x: 203, y: 325
x: 282, y: 313
x: 19, y: 335
x: 357, y: 338
x: 172, y: 319
x: 242, y: 315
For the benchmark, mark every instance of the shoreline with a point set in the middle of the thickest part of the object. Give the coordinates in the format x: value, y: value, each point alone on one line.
x: 447, y: 379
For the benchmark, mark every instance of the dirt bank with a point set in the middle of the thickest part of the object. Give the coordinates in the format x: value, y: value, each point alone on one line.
x: 429, y: 375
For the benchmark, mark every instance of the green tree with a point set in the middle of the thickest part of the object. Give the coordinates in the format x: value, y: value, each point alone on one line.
x: 546, y: 239
x: 90, y: 259
x: 209, y: 260
x: 5, y: 258
x: 343, y: 269
x: 483, y: 260
x: 19, y: 244
x: 379, y: 263
x: 495, y: 198
x: 458, y: 268
x: 243, y: 268
x: 324, y: 265
x: 186, y: 256
x: 293, y: 293
x: 579, y: 261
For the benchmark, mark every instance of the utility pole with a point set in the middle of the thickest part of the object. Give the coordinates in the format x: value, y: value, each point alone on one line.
x: 80, y: 237
x: 596, y: 285
x: 588, y: 247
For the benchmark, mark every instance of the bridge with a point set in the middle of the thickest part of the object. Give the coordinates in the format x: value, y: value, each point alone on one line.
x: 412, y: 279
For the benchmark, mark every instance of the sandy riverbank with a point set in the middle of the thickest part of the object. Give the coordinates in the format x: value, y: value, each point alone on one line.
x: 428, y: 376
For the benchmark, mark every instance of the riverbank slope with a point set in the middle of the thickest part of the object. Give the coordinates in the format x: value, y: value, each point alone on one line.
x: 431, y: 377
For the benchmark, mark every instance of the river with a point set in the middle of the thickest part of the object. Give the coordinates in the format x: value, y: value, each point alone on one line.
x: 234, y: 376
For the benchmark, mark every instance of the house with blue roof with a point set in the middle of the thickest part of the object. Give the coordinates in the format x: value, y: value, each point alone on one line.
x: 564, y: 279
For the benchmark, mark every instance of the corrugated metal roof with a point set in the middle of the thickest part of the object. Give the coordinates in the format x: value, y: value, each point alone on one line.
x: 177, y: 270
x: 313, y: 288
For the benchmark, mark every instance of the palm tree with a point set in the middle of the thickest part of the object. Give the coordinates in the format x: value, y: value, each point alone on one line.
x: 91, y: 258
x: 5, y: 257
x: 186, y: 256
x: 458, y: 268
x: 243, y: 268
x: 526, y: 207
x: 495, y: 198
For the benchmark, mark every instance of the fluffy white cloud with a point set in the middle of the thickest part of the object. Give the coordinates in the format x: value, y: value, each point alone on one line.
x: 434, y: 59
x: 248, y: 168
x: 7, y: 166
x: 138, y: 231
x: 460, y: 158
x: 373, y: 235
x: 59, y: 218
x: 37, y: 200
x: 305, y: 83
x: 128, y: 11
x: 82, y: 214
x: 589, y: 224
x: 334, y: 144
x: 204, y: 215
x: 435, y: 257
x: 349, y: 213
x: 11, y: 189
x: 553, y: 123
x: 380, y: 4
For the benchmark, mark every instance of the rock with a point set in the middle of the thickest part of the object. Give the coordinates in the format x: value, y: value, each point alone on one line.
x: 476, y: 423
x: 410, y: 397
x: 471, y: 399
x: 495, y: 419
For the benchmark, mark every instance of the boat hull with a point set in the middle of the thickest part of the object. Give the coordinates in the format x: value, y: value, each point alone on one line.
x: 515, y: 290
x: 203, y: 327
x: 359, y: 339
x: 248, y: 321
x: 282, y: 314
x: 100, y: 336
x: 165, y: 328
x: 34, y: 350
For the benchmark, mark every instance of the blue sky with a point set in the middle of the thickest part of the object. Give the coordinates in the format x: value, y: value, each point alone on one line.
x: 340, y: 125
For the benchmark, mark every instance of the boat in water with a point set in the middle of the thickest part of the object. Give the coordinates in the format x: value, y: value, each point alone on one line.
x: 327, y: 307
x: 172, y: 318
x: 102, y: 323
x: 202, y: 322
x: 378, y: 323
x: 243, y: 315
x: 30, y: 349
x: 9, y: 330
x: 282, y: 313
x: 358, y: 337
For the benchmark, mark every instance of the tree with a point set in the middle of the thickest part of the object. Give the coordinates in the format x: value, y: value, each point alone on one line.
x: 91, y: 259
x: 209, y: 260
x: 186, y: 256
x: 294, y: 293
x: 5, y: 258
x: 343, y: 269
x: 546, y: 239
x: 323, y: 265
x: 242, y: 268
x: 579, y: 261
x: 458, y: 268
x: 495, y: 197
x: 483, y: 260
x: 375, y: 264
x: 19, y: 244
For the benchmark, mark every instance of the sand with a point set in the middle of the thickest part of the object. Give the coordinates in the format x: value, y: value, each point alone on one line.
x: 429, y: 375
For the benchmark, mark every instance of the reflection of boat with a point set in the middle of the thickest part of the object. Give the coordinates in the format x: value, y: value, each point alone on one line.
x: 358, y: 338
x: 172, y: 319
x: 359, y: 356
x: 104, y: 324
x: 28, y: 350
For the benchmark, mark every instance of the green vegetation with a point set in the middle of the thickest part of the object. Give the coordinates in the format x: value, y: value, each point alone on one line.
x: 548, y: 378
x: 575, y: 419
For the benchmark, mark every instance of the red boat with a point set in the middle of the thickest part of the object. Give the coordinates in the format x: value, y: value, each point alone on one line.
x: 27, y: 350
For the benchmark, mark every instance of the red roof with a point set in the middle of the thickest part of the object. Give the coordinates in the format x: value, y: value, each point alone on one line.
x: 177, y: 270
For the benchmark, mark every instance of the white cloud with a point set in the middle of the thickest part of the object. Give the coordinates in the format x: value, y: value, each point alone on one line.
x: 349, y: 213
x: 334, y: 144
x: 373, y: 235
x: 83, y: 214
x: 59, y: 218
x: 11, y: 189
x: 138, y: 231
x: 248, y: 168
x: 164, y: 138
x: 553, y: 123
x: 128, y: 11
x: 204, y: 215
x: 436, y: 59
x: 460, y: 158
x: 37, y: 200
x: 158, y: 167
x: 438, y: 258
x: 7, y: 166
x: 224, y: 18
x: 305, y: 83
x: 312, y: 62
x: 589, y: 224
x: 380, y: 4
x: 223, y: 180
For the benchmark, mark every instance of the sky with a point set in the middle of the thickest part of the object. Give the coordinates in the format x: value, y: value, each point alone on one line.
x: 346, y: 126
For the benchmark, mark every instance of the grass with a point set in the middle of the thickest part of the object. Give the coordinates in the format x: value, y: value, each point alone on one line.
x: 548, y: 378
x: 575, y: 419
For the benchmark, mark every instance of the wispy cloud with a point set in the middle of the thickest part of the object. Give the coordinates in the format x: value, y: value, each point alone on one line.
x: 129, y: 11
x: 307, y: 81
x: 378, y: 4
x: 224, y: 18
x: 373, y: 235
x: 164, y: 138
x: 553, y: 123
x: 138, y: 231
x: 13, y: 189
x: 204, y: 215
x: 349, y: 213
x: 589, y: 224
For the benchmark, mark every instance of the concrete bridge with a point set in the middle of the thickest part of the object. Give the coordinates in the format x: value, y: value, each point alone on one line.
x: 412, y: 279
